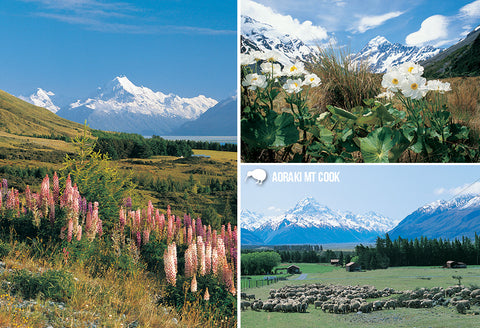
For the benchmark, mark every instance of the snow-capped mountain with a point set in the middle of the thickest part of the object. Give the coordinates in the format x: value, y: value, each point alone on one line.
x: 380, y: 54
x: 442, y: 219
x: 219, y: 120
x: 42, y: 98
x: 310, y: 222
x: 259, y: 36
x: 120, y: 105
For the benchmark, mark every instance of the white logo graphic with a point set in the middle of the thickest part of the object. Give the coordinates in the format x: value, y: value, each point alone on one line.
x: 258, y: 174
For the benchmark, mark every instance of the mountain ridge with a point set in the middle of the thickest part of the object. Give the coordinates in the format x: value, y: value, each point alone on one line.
x: 311, y: 222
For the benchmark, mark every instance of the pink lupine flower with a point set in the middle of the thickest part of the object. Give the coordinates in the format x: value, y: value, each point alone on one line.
x: 189, y: 262
x: 201, y: 255
x: 189, y: 235
x: 206, y: 297
x: 199, y: 227
x: 100, y: 228
x: 88, y: 221
x: 146, y: 236
x: 70, y: 230
x: 44, y: 192
x: 56, y: 187
x: 214, y: 261
x: 52, y: 209
x: 208, y: 258
x: 170, y: 263
x: 122, y: 217
x: 160, y: 221
x: 79, y: 232
x: 223, y: 233
x: 138, y: 219
x: 10, y: 200
x: 194, y: 284
x: 139, y: 239
x: 214, y: 238
x: 220, y: 248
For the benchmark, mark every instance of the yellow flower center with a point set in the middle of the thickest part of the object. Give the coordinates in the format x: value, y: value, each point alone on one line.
x: 414, y: 86
x: 410, y: 69
x: 254, y: 79
x: 395, y: 81
x: 293, y: 68
x: 296, y: 85
x: 312, y: 79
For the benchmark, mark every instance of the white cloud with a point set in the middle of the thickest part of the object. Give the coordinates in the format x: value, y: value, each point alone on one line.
x: 466, y: 189
x: 368, y: 22
x: 460, y: 190
x: 439, y: 191
x: 286, y: 24
x: 274, y: 209
x: 472, y: 10
x: 432, y: 28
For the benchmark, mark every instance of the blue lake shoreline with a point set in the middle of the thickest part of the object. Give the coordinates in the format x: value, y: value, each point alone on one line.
x: 219, y: 139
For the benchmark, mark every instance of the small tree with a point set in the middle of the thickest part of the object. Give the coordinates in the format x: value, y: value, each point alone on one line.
x: 97, y: 179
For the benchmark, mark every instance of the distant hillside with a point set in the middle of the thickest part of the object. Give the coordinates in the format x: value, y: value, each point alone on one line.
x: 220, y: 120
x: 22, y: 118
x: 452, y: 219
x: 461, y: 59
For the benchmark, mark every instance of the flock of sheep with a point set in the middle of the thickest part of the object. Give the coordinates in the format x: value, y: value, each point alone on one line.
x: 346, y: 299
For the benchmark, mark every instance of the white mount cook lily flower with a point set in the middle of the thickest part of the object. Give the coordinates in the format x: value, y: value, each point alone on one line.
x: 293, y: 86
x: 414, y: 87
x: 312, y: 80
x: 254, y: 81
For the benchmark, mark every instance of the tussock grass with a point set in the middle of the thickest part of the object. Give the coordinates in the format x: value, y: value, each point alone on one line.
x: 464, y: 100
x: 344, y: 84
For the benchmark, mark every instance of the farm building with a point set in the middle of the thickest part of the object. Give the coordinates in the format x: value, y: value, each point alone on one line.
x: 335, y: 262
x: 455, y: 265
x: 353, y: 266
x: 293, y: 269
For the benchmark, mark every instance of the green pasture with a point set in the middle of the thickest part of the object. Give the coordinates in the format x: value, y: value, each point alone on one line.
x: 402, y: 278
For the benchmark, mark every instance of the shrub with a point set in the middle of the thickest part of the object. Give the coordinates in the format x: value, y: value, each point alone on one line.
x: 52, y: 284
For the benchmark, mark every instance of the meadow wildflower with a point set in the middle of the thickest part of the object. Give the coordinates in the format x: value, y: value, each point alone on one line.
x: 293, y: 86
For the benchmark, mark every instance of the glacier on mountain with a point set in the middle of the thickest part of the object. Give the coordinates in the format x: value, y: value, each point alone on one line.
x: 41, y: 98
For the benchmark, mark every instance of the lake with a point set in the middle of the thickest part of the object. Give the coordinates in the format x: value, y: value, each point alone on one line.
x: 219, y: 139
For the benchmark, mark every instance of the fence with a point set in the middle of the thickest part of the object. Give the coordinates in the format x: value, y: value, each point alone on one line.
x: 260, y: 282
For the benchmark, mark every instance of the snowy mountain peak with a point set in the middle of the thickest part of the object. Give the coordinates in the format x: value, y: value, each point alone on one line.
x: 41, y: 98
x: 463, y: 201
x: 378, y: 40
x: 381, y: 54
x: 259, y: 36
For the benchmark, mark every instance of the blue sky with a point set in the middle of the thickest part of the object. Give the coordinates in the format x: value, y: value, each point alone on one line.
x: 391, y: 190
x: 353, y: 23
x: 71, y: 47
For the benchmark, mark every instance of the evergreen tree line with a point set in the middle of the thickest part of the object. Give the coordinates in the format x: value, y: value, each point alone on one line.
x: 316, y: 248
x: 418, y: 252
x: 131, y: 145
x: 311, y: 256
x: 212, y: 145
x: 210, y: 187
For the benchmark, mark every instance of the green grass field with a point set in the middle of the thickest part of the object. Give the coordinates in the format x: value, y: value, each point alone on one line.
x: 404, y: 278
